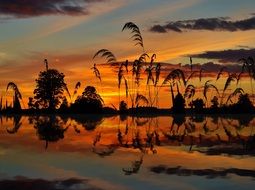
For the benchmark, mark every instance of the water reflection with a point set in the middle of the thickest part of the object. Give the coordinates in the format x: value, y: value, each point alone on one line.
x: 49, y: 128
x: 16, y: 124
x: 134, y: 168
x: 179, y: 145
x: 232, y: 134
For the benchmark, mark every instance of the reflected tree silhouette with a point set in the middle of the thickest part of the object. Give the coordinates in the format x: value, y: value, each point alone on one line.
x: 89, y: 122
x: 49, y: 128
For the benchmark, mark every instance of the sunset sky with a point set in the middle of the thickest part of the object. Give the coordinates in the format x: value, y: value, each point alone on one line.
x: 69, y: 33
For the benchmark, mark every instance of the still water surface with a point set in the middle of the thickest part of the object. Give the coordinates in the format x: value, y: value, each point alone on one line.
x: 94, y: 152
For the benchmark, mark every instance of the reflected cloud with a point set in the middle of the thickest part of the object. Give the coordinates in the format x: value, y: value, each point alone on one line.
x: 23, y: 183
x: 208, y: 173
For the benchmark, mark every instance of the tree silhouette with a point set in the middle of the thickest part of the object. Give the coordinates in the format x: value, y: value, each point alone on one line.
x: 64, y: 105
x: 49, y: 90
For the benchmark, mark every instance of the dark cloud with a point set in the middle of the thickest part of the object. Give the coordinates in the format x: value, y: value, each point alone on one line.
x: 23, y: 183
x: 158, y: 28
x: 227, y: 56
x: 209, y: 173
x: 32, y: 8
x: 211, y: 24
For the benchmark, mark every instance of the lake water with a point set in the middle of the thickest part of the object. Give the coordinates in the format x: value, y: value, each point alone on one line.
x: 93, y: 152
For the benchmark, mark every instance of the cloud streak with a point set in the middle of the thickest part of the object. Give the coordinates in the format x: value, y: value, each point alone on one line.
x: 211, y: 24
x: 34, y: 8
x: 226, y: 56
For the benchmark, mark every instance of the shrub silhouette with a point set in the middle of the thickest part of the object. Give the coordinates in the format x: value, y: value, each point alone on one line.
x: 198, y: 105
x: 178, y: 104
x: 244, y: 103
x: 89, y: 102
x: 215, y: 102
x: 123, y: 107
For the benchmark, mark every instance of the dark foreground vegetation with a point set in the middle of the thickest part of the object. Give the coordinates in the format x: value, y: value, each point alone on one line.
x: 52, y: 95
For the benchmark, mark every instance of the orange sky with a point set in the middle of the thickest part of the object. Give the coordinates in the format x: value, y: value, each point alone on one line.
x: 70, y: 41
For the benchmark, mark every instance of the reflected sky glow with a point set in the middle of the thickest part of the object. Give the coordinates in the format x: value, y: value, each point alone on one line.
x: 99, y: 155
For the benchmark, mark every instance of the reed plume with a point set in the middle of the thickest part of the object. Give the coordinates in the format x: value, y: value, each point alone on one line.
x: 137, y: 36
x: 110, y: 57
x: 209, y: 86
x: 141, y: 99
x: 96, y: 72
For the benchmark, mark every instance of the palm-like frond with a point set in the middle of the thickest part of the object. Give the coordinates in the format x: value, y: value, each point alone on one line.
x: 220, y: 73
x: 190, y: 76
x: 249, y: 66
x: 190, y: 91
x: 96, y: 72
x: 15, y: 89
x: 67, y: 91
x: 76, y: 88
x: 149, y: 70
x: 209, y: 86
x: 250, y: 61
x: 141, y: 99
x: 120, y: 75
x: 142, y: 58
x: 46, y: 64
x: 126, y: 65
x: 106, y: 54
x: 200, y: 74
x: 230, y: 79
x: 137, y: 37
x: 158, y: 71
x: 153, y: 57
x: 236, y: 92
x: 1, y: 103
x: 240, y: 75
x: 175, y: 74
x: 191, y: 64
x: 138, y: 70
x: 126, y: 87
